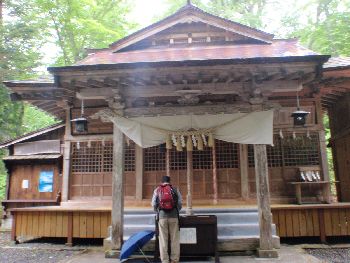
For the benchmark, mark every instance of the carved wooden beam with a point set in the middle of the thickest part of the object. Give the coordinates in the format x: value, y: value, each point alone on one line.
x: 96, y: 83
x: 183, y: 110
x: 111, y: 82
x: 79, y: 84
x: 295, y: 75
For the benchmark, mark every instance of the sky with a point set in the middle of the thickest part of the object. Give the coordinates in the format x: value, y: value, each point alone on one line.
x: 145, y: 10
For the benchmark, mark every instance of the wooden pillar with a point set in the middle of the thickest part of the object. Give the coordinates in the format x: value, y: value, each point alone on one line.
x: 167, y: 162
x: 189, y: 183
x: 243, y: 165
x: 66, y: 158
x: 266, y: 249
x: 117, y: 189
x: 324, y: 165
x: 215, y: 176
x: 70, y: 230
x: 323, y: 155
x: 139, y: 172
x: 322, y: 140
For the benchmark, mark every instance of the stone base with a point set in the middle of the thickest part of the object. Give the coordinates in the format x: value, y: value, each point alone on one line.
x: 261, y: 253
x: 107, y: 244
x: 112, y: 253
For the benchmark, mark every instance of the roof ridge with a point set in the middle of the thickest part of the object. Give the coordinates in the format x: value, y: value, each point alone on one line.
x: 186, y: 8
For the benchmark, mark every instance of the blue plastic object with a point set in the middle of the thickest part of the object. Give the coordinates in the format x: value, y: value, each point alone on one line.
x: 136, y: 241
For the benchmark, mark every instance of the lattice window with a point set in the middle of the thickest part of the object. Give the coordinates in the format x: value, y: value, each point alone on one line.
x: 154, y: 158
x: 97, y: 157
x: 87, y: 157
x: 274, y: 153
x: 178, y: 160
x: 301, y: 150
x: 203, y: 159
x: 226, y: 154
x: 129, y: 160
x: 107, y: 156
x: 251, y: 162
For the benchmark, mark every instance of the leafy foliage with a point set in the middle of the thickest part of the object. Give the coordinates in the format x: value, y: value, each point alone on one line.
x: 327, y: 28
x: 78, y: 24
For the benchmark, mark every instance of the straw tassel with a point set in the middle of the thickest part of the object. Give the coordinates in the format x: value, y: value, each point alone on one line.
x: 178, y: 144
x: 189, y: 145
x: 200, y: 142
x: 204, y: 140
x: 194, y: 140
x: 168, y: 143
x: 173, y: 138
x: 183, y: 143
x: 211, y: 140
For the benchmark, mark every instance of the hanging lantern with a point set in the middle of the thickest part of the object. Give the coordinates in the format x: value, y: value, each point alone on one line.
x: 299, y: 115
x: 81, y: 124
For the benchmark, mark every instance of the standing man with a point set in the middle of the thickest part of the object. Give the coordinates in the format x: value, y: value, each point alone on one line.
x: 167, y: 201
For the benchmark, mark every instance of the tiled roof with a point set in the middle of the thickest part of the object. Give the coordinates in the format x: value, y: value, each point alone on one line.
x: 336, y: 62
x: 279, y: 48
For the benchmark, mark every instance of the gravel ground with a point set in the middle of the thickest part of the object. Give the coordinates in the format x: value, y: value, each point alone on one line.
x: 34, y: 251
x: 331, y: 255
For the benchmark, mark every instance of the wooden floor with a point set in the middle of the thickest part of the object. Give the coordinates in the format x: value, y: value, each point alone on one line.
x: 89, y: 220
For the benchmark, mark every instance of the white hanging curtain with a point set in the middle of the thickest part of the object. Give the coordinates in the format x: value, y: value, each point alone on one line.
x: 244, y: 128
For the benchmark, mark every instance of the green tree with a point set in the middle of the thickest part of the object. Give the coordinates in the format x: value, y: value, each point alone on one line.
x: 326, y: 29
x: 20, y: 41
x: 78, y: 24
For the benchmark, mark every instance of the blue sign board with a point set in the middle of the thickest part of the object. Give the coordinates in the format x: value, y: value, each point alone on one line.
x: 46, y: 181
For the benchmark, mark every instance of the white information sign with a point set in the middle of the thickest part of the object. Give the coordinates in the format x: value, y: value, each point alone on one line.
x: 25, y: 184
x: 188, y: 236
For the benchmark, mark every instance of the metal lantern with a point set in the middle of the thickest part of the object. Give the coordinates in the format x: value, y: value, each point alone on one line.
x: 299, y: 115
x: 81, y: 123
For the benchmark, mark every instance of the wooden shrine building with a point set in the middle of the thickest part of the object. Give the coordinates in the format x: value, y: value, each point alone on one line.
x: 203, y: 99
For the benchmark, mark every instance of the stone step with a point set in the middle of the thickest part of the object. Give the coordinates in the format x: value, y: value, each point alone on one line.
x: 233, y: 224
x: 242, y: 218
x: 223, y: 229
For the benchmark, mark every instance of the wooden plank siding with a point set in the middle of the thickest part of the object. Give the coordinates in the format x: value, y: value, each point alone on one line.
x: 56, y: 224
x: 31, y: 172
x: 292, y: 221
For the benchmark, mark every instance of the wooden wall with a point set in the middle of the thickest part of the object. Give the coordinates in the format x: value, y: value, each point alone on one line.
x: 312, y: 221
x: 341, y: 150
x: 83, y: 224
x: 98, y: 186
x: 31, y: 172
x: 229, y: 183
x: 339, y: 119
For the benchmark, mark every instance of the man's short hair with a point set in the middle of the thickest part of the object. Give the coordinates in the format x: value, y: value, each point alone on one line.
x: 166, y: 179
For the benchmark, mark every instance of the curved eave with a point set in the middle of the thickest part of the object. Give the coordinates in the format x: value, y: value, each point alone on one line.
x: 212, y: 62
